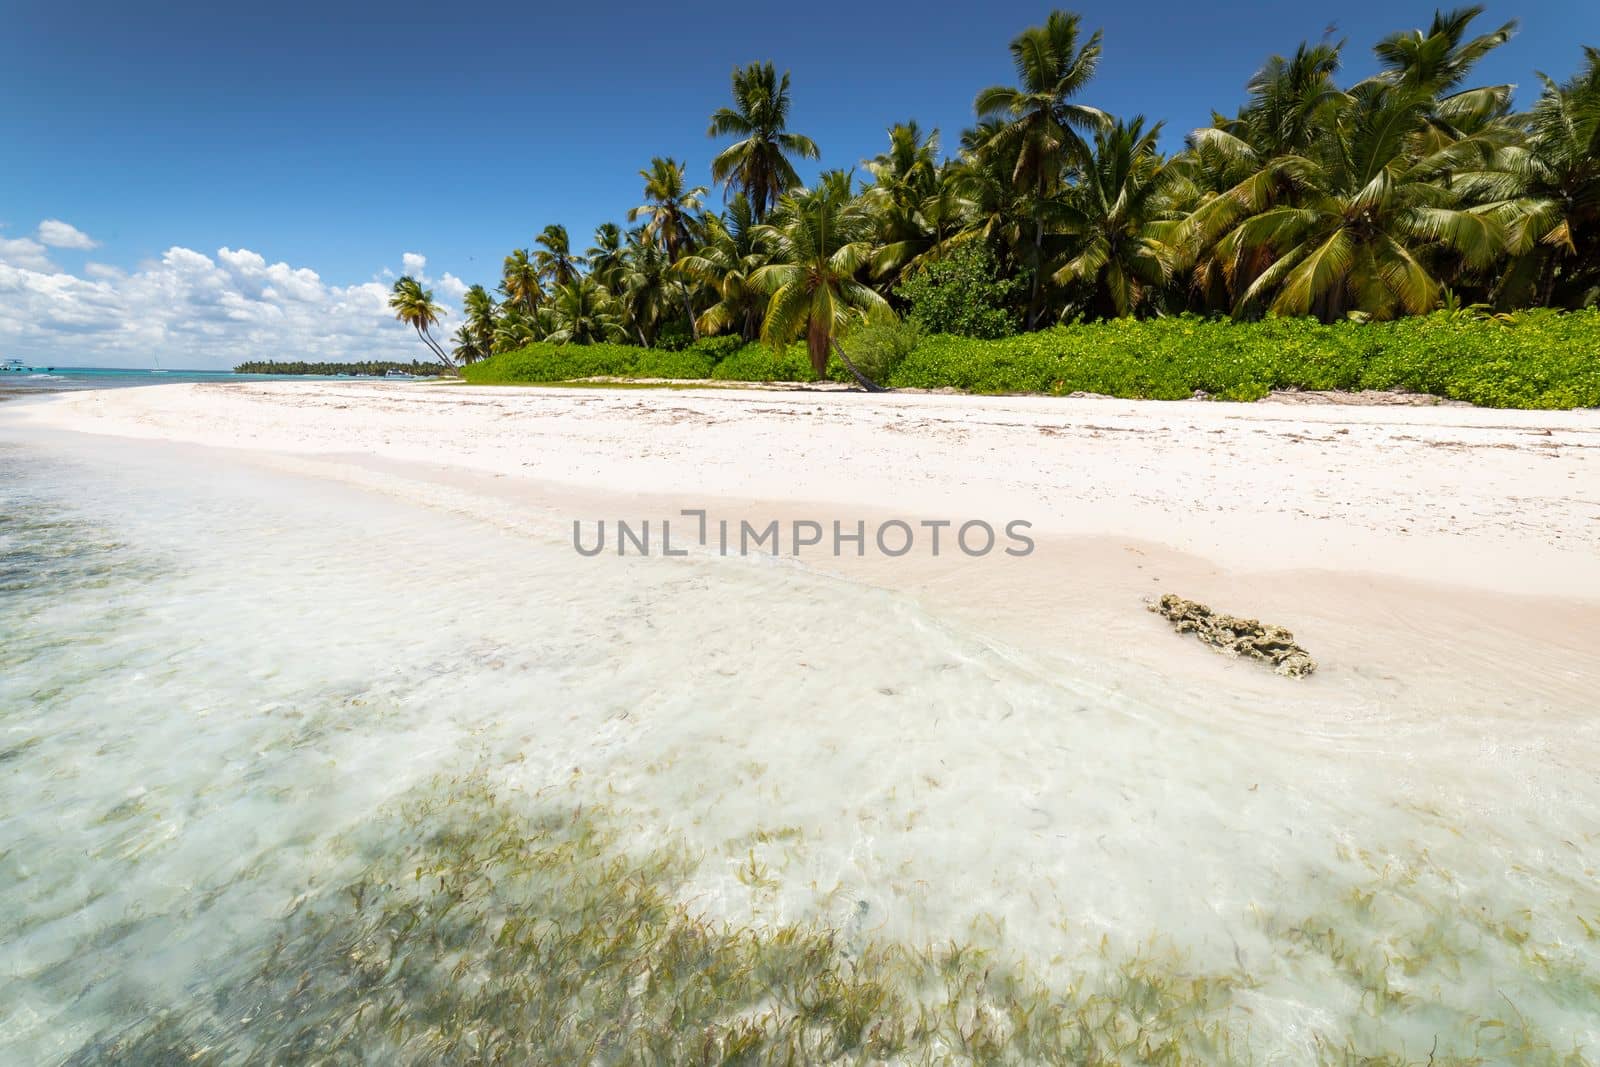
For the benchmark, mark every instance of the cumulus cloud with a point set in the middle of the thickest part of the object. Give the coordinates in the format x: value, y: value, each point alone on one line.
x: 414, y: 264
x: 195, y: 311
x: 26, y: 253
x: 58, y: 234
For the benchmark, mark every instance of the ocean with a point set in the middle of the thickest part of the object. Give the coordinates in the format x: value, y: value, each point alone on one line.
x: 71, y: 379
x: 290, y: 766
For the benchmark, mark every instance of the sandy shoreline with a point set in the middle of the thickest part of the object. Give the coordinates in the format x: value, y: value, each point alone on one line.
x: 1501, y: 500
x: 1453, y: 547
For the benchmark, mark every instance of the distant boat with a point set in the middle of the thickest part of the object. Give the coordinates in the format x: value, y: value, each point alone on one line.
x: 158, y: 368
x: 398, y: 374
x: 14, y: 366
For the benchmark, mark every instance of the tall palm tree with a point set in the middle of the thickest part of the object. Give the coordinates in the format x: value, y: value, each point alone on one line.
x: 1039, y: 121
x: 481, y: 313
x: 519, y: 281
x: 647, y: 289
x: 414, y: 306
x: 583, y: 313
x: 555, y: 260
x: 605, y: 256
x: 1365, y: 216
x: 1114, y: 206
x: 914, y: 200
x: 820, y: 239
x: 670, y: 209
x: 1555, y: 180
x: 759, y: 163
x: 728, y: 256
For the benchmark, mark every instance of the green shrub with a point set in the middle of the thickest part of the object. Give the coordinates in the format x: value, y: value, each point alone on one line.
x: 963, y: 294
x: 718, y: 348
x: 877, y: 349
x: 1537, y: 359
x: 758, y: 362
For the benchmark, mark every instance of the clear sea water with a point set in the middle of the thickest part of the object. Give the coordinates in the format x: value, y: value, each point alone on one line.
x: 66, y: 379
x: 217, y: 677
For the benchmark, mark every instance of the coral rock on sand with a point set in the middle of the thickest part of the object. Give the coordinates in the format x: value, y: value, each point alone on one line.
x: 1236, y: 637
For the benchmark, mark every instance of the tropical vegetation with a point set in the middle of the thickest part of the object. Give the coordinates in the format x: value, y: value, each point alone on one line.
x: 1409, y: 192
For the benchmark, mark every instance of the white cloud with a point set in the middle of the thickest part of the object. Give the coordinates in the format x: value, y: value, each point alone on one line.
x: 414, y: 264
x: 196, y: 311
x: 58, y: 234
x: 25, y: 252
x: 452, y: 288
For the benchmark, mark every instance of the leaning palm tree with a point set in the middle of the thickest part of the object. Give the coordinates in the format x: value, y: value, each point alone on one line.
x: 414, y: 306
x: 671, y: 209
x: 819, y: 239
x: 1115, y: 204
x: 555, y: 260
x: 1039, y: 124
x: 759, y: 163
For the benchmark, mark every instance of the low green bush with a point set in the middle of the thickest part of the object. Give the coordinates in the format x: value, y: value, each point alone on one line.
x: 1535, y: 359
x: 1538, y: 359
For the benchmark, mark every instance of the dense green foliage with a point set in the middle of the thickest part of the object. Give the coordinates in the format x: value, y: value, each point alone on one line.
x: 963, y: 293
x: 1535, y: 359
x: 1394, y: 195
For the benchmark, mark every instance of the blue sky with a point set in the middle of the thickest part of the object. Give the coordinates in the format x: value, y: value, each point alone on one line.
x: 335, y: 138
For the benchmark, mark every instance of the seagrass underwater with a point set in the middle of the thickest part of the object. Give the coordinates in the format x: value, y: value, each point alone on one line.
x: 890, y: 538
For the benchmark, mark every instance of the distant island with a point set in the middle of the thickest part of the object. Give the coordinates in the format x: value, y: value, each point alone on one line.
x: 369, y: 369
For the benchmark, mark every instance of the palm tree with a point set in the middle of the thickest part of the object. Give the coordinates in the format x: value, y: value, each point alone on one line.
x: 516, y: 328
x: 583, y: 313
x: 1364, y: 215
x: 759, y: 163
x: 819, y: 240
x: 520, y: 281
x: 916, y: 203
x: 1114, y: 204
x: 1040, y: 124
x: 414, y: 306
x: 605, y: 256
x: 479, y: 327
x: 671, y: 210
x: 555, y: 260
x: 725, y: 261
x: 646, y: 287
x: 1555, y: 180
x: 464, y: 347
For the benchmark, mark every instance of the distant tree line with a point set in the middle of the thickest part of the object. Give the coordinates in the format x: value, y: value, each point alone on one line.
x: 369, y: 368
x: 1398, y: 194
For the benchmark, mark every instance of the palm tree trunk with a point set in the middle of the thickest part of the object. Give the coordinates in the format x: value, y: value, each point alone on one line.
x: 1038, y: 264
x: 428, y: 340
x: 866, y: 383
x: 694, y: 330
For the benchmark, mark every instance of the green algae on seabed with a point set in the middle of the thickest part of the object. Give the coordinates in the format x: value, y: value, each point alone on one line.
x: 1234, y: 636
x: 498, y: 929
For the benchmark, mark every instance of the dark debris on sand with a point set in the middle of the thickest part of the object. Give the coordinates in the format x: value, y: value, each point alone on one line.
x: 1234, y: 636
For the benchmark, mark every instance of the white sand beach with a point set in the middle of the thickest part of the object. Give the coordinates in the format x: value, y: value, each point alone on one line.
x: 1478, y: 529
x: 1008, y: 749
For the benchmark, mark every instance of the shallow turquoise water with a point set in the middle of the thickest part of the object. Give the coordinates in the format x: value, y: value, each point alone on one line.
x: 210, y: 672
